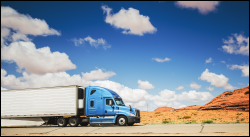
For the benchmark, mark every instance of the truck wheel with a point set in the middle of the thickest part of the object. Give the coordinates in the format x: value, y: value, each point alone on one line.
x: 61, y: 122
x: 84, y: 124
x: 122, y: 121
x: 73, y: 122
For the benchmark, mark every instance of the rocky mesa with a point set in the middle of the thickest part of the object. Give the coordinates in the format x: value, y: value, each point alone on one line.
x: 237, y: 100
x: 192, y: 107
x: 165, y: 108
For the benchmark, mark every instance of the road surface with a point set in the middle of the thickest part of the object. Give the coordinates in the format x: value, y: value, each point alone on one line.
x: 136, y: 129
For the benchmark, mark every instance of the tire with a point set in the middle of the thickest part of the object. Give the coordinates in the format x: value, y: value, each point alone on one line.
x: 122, y: 121
x: 61, y: 122
x: 131, y: 124
x: 73, y: 122
x: 84, y: 124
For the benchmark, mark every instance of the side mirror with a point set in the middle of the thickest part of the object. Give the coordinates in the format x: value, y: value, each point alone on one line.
x: 110, y: 102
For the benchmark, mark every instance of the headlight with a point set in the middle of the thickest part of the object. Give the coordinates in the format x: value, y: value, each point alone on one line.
x: 131, y: 114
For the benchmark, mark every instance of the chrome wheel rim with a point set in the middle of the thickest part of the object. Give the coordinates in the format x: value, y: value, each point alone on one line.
x: 60, y: 122
x: 122, y: 121
x: 72, y: 122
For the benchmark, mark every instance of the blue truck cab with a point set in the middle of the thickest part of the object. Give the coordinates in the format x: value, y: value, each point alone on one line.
x: 103, y: 105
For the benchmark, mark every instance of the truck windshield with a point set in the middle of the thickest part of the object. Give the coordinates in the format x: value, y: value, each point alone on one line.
x: 119, y: 102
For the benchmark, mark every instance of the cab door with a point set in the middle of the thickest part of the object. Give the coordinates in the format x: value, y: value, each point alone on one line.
x: 109, y: 111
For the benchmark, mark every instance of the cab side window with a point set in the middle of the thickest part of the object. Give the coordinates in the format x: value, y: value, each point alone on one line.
x: 107, y: 101
x: 91, y: 103
x: 92, y: 92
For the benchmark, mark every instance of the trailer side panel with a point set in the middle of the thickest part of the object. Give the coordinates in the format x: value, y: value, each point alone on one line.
x: 40, y: 102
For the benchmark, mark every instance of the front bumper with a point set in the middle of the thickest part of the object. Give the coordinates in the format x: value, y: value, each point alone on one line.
x: 133, y: 119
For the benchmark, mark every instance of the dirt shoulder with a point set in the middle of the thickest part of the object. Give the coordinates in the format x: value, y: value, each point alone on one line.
x: 146, y: 134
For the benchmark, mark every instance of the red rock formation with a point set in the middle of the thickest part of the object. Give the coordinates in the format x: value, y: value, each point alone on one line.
x: 161, y: 109
x: 192, y: 107
x: 237, y: 100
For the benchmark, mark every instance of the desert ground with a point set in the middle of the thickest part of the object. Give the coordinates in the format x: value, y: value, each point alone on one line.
x: 194, y: 117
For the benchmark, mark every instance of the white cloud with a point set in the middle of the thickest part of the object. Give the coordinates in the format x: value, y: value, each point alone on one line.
x: 145, y: 85
x: 244, y: 69
x: 19, y: 36
x: 30, y: 80
x: 209, y: 60
x: 161, y: 60
x: 223, y: 62
x: 5, y: 32
x: 77, y: 41
x: 192, y: 95
x: 240, y: 46
x: 230, y: 87
x: 216, y: 80
x: 240, y: 83
x: 15, y: 28
x: 130, y: 21
x: 210, y: 88
x: 167, y: 94
x: 204, y: 7
x: 106, y: 47
x: 171, y: 96
x: 194, y: 85
x: 34, y: 60
x: 97, y: 75
x: 25, y: 24
x: 93, y: 42
x: 169, y: 104
x: 180, y: 87
x: 141, y: 105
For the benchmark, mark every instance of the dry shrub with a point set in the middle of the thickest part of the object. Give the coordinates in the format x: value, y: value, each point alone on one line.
x: 186, y: 117
x: 157, y: 112
x: 239, y: 113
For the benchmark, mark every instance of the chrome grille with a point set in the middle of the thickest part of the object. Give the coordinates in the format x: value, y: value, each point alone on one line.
x: 137, y: 113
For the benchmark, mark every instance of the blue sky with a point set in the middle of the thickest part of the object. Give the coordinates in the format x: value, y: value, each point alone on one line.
x: 162, y: 53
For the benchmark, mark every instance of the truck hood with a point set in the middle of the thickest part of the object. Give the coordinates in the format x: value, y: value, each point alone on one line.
x: 126, y: 109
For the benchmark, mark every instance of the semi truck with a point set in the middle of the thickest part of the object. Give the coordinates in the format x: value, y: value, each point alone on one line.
x: 65, y: 105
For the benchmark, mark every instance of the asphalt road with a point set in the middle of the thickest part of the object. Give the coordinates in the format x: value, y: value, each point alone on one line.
x: 113, y: 129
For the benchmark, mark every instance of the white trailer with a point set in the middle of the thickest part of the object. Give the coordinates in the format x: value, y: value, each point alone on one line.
x: 33, y: 106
